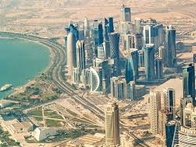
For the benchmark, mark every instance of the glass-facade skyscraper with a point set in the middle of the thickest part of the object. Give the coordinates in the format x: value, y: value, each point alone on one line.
x: 131, y: 69
x: 158, y: 68
x: 97, y: 32
x: 170, y: 46
x: 149, y: 62
x: 189, y: 81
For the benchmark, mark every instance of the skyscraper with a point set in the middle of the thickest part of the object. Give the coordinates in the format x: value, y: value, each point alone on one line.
x: 162, y: 53
x: 114, y: 51
x: 158, y: 68
x: 169, y: 132
x: 114, y: 45
x: 170, y: 46
x: 95, y: 77
x: 187, y: 132
x: 111, y: 25
x: 149, y: 62
x: 106, y: 75
x: 138, y: 25
x: 131, y: 90
x: 97, y: 32
x: 71, y: 53
x: 101, y: 52
x: 138, y: 41
x: 112, y: 132
x: 149, y: 34
x: 189, y: 81
x: 141, y: 58
x: 106, y: 30
x: 118, y: 88
x: 169, y: 100
x: 155, y: 106
x: 80, y: 55
x: 131, y: 69
x: 126, y: 14
x: 129, y: 41
x: 183, y: 102
x: 72, y: 28
x: 86, y: 27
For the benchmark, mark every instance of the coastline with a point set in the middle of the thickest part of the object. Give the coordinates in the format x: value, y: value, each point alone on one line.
x: 21, y: 88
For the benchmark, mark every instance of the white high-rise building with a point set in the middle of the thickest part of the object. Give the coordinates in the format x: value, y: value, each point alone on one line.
x: 112, y: 128
x: 155, y: 106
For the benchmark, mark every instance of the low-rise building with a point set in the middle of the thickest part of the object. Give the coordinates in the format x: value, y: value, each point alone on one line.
x: 43, y: 133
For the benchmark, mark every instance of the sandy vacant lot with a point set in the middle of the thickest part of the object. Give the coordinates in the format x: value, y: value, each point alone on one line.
x: 48, y: 17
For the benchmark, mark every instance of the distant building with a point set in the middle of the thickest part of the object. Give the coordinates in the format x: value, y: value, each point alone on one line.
x: 112, y: 128
x: 138, y: 27
x: 126, y: 14
x: 138, y: 41
x: 109, y: 24
x: 86, y: 27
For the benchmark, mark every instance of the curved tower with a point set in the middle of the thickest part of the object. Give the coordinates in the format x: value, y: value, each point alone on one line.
x: 131, y: 69
x: 71, y: 53
x: 94, y: 80
x: 114, y: 45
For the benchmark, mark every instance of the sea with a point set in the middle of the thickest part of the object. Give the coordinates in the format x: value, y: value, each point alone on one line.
x: 21, y: 61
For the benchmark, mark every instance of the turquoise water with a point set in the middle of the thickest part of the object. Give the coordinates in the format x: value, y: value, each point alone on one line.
x: 21, y: 61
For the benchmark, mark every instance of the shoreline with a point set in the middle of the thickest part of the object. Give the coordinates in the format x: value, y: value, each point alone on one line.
x: 21, y: 88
